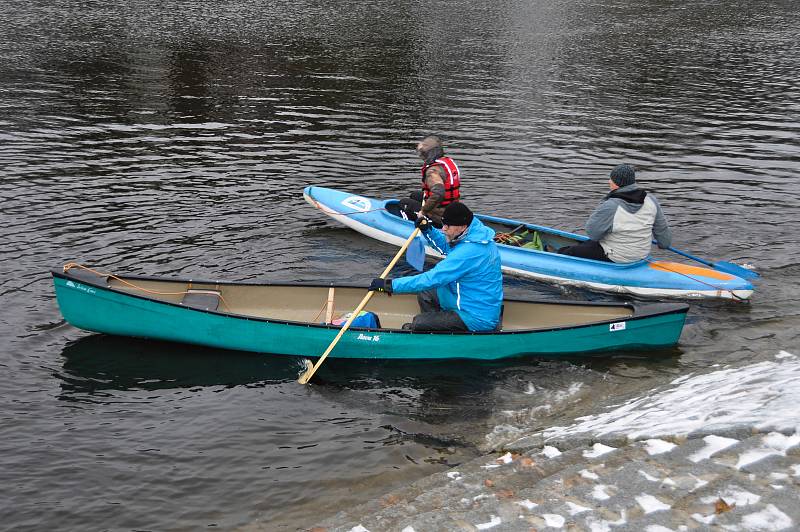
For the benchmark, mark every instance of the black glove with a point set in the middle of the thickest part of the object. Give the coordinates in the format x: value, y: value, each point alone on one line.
x: 423, y: 224
x: 381, y: 285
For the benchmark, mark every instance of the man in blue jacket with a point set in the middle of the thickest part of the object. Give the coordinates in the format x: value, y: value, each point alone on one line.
x: 464, y: 291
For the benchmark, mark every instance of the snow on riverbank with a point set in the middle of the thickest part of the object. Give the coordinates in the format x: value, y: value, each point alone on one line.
x: 764, y: 396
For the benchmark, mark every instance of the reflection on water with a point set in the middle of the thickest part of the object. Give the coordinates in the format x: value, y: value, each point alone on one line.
x: 176, y: 138
x: 435, y: 392
x: 97, y: 362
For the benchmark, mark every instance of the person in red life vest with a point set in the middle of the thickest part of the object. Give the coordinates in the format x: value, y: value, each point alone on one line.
x: 441, y: 183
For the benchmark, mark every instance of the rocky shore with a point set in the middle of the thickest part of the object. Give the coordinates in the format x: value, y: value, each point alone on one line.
x: 717, y: 451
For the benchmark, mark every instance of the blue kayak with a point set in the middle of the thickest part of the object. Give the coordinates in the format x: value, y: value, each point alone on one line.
x: 524, y: 250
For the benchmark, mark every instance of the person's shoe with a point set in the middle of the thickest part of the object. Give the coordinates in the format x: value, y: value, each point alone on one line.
x: 406, y: 327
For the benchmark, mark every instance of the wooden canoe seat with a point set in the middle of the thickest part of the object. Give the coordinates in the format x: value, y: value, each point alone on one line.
x: 201, y: 299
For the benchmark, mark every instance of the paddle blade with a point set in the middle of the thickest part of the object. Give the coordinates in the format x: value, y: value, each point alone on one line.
x: 415, y: 254
x: 307, y: 372
x: 735, y: 269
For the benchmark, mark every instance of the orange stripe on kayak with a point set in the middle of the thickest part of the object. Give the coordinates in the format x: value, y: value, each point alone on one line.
x: 686, y: 269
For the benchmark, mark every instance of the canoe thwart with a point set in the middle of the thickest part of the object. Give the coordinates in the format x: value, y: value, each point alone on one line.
x: 329, y: 306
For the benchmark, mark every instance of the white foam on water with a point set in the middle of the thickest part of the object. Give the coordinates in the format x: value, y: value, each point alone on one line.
x: 598, y: 449
x: 776, y: 486
x: 599, y: 492
x: 550, y: 451
x: 408, y: 529
x: 733, y: 496
x: 493, y: 522
x: 502, y: 433
x: 796, y: 469
x: 527, y: 504
x: 585, y: 473
x: 575, y: 509
x: 650, y: 504
x: 779, y: 476
x: 773, y: 443
x: 657, y: 528
x: 657, y: 446
x: 359, y: 528
x: 490, y: 466
x: 554, y: 520
x: 770, y: 518
x: 763, y: 395
x: 454, y: 475
x: 714, y: 444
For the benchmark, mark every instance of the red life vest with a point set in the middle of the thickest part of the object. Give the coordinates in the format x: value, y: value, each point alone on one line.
x: 452, y: 180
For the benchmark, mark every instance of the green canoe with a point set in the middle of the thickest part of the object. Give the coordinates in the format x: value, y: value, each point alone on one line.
x: 290, y: 319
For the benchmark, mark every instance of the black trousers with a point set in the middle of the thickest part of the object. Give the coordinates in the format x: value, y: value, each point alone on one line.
x: 432, y: 317
x: 412, y: 205
x: 588, y: 249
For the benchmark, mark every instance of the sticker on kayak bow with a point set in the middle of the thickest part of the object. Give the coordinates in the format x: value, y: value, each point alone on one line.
x: 358, y: 203
x: 619, y: 326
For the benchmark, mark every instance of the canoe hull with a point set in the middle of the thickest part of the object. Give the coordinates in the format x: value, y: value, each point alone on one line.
x: 105, y: 310
x: 647, y: 278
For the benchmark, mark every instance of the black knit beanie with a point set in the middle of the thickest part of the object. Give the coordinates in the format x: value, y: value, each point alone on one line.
x: 457, y: 214
x: 623, y: 175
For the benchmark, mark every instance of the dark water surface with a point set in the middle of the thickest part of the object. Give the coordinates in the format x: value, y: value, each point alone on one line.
x: 176, y: 137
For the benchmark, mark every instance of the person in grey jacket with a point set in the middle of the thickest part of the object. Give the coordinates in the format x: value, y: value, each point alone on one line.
x: 622, y: 226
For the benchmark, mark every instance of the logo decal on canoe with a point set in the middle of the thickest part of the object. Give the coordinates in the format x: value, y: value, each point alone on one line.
x: 79, y: 286
x: 357, y: 203
x: 368, y: 338
x: 619, y: 326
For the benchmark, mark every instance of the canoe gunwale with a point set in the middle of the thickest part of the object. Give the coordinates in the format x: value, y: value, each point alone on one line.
x: 639, y: 311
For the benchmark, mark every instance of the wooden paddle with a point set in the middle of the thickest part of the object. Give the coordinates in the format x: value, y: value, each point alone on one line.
x: 310, y: 370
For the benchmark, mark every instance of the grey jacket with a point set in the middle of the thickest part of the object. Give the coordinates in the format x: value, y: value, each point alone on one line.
x: 625, y: 223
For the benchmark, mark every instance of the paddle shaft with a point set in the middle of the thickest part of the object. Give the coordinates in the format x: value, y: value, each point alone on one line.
x: 308, y: 374
x: 698, y: 259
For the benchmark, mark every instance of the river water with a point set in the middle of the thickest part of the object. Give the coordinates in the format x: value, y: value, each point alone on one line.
x: 174, y: 138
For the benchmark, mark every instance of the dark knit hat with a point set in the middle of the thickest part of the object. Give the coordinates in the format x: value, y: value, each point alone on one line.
x: 623, y: 175
x: 457, y: 214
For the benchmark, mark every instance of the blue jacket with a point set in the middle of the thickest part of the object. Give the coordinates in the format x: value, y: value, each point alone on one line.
x: 468, y: 279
